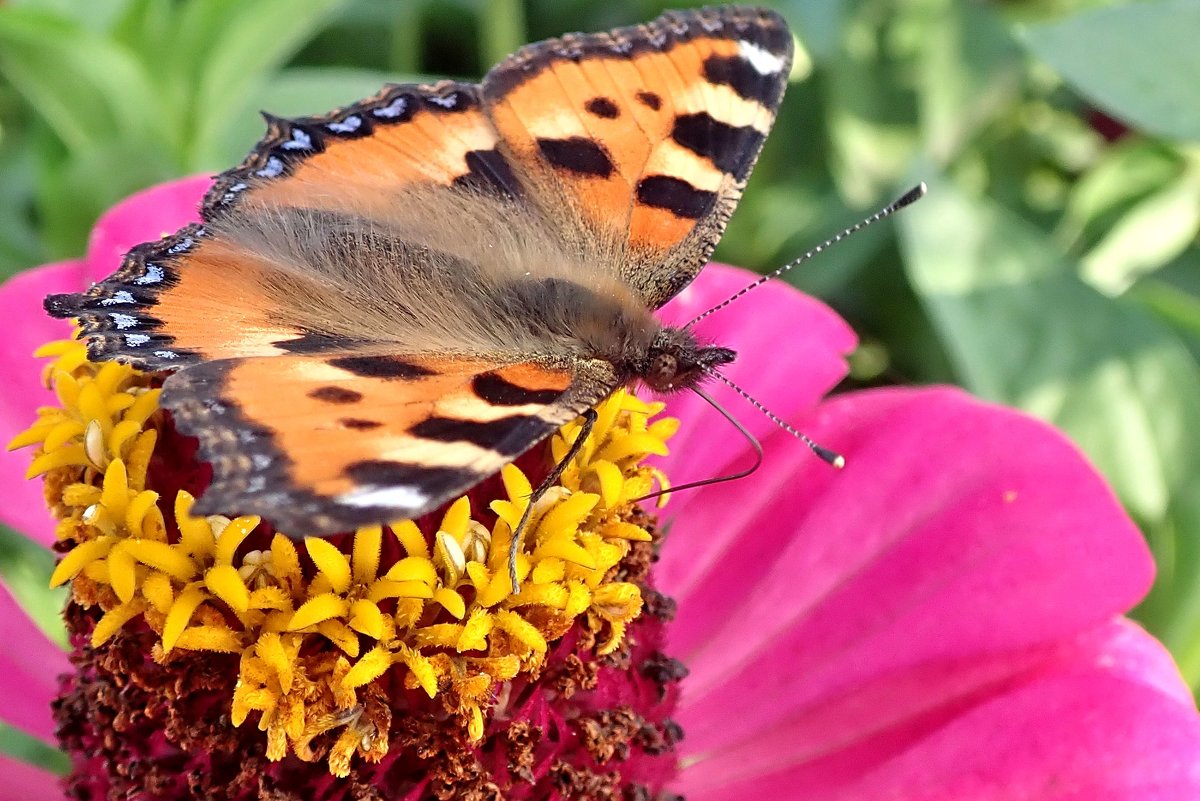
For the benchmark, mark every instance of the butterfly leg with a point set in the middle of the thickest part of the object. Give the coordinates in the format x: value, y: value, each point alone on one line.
x: 589, y: 420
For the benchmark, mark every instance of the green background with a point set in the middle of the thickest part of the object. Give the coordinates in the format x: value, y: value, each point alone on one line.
x: 1054, y: 265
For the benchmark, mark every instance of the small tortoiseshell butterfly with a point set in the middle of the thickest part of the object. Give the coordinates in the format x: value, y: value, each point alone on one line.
x: 386, y: 304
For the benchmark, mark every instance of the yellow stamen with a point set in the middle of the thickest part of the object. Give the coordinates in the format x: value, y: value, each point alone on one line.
x: 319, y: 630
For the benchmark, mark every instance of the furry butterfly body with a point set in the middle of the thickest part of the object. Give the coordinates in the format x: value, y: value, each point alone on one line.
x: 385, y: 304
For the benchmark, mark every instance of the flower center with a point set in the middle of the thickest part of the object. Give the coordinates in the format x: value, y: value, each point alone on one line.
x: 394, y: 655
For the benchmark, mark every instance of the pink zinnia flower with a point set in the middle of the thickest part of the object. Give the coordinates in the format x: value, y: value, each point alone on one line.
x: 941, y: 619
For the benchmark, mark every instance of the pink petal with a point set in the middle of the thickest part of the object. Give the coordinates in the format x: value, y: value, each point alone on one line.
x: 1083, y: 738
x: 143, y: 217
x: 829, y: 746
x: 24, y: 782
x: 29, y: 668
x: 1074, y: 727
x: 791, y: 351
x: 139, y: 218
x: 1125, y: 648
x: 28, y: 327
x: 958, y: 534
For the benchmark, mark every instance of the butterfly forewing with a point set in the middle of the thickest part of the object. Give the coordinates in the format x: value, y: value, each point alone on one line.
x: 644, y: 136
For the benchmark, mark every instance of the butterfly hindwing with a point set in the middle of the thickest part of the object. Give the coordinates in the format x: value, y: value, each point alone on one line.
x: 321, y: 444
x: 644, y: 136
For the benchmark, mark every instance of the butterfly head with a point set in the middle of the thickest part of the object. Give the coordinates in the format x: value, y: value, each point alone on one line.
x: 675, y: 360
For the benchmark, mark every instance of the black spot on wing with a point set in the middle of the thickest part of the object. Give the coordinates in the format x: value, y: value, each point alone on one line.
x: 603, y: 107
x: 730, y: 148
x: 739, y: 74
x: 488, y: 170
x: 308, y: 343
x: 389, y: 367
x: 650, y: 100
x: 384, y: 473
x: 498, y: 391
x: 577, y: 154
x: 675, y: 195
x: 338, y: 395
x: 490, y: 434
x: 358, y: 424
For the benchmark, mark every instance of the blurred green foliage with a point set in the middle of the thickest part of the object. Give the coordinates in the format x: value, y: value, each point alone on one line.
x: 1054, y: 265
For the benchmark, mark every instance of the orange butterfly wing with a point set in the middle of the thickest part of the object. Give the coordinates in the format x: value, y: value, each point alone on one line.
x: 193, y: 297
x: 325, y: 444
x: 643, y: 137
x: 361, y: 155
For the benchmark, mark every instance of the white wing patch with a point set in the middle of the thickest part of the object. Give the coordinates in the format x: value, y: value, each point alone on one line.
x: 764, y: 63
x: 404, y: 497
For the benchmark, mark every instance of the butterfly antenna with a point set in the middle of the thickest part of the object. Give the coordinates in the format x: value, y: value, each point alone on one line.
x: 829, y: 457
x: 754, y: 443
x: 908, y: 198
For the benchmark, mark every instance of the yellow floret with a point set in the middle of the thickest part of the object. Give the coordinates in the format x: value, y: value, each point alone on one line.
x: 315, y: 627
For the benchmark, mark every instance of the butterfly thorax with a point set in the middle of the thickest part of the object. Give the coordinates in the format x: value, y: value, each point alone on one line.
x: 608, y: 323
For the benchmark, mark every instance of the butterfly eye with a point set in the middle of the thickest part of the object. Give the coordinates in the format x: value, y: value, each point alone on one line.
x: 664, y: 368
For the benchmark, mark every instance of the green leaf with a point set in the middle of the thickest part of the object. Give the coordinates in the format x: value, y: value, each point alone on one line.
x: 20, y: 243
x: 96, y: 15
x: 1140, y: 62
x: 1022, y: 328
x: 869, y: 104
x: 292, y: 93
x: 405, y: 31
x: 26, y: 748
x: 25, y: 568
x: 817, y: 23
x: 968, y: 71
x: 1125, y: 174
x: 245, y: 43
x: 501, y: 28
x: 73, y: 190
x: 1172, y: 304
x: 779, y: 223
x: 1172, y: 610
x: 1151, y: 233
x: 88, y: 89
x: 146, y: 29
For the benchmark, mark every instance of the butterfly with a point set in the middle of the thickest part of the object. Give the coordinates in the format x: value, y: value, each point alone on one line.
x: 385, y: 304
